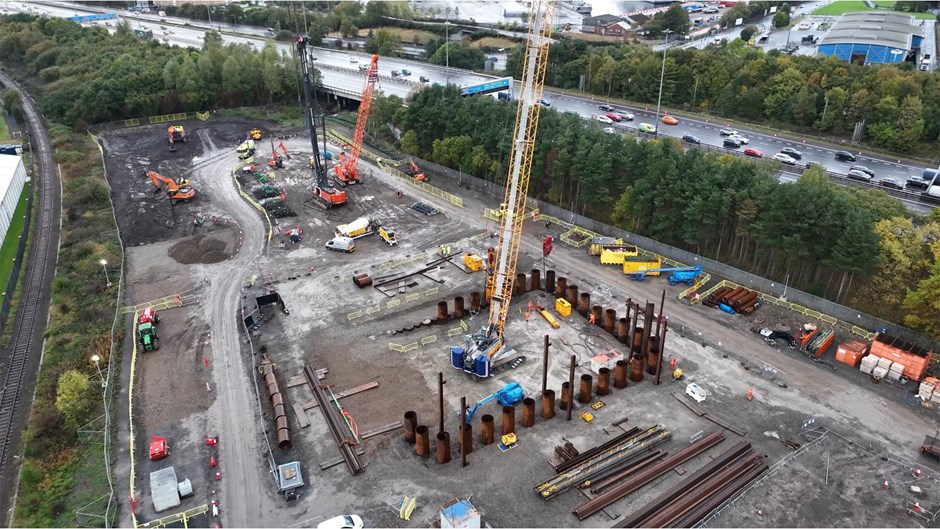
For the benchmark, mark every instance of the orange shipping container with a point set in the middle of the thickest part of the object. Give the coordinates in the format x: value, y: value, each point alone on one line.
x: 851, y: 352
x: 913, y: 357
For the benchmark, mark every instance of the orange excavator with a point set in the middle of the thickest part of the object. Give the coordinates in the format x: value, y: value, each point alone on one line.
x: 415, y: 172
x: 175, y: 133
x: 346, y: 170
x: 179, y: 190
x: 276, y: 161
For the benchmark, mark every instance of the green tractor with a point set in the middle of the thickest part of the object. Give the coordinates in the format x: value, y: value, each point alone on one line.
x: 147, y: 338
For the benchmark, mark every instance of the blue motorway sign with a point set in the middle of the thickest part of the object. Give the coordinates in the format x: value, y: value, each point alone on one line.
x: 488, y: 87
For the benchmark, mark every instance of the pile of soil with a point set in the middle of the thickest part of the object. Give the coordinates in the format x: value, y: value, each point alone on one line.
x: 198, y: 249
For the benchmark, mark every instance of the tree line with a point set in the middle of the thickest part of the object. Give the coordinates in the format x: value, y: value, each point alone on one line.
x: 90, y: 76
x: 825, y: 239
x: 898, y: 104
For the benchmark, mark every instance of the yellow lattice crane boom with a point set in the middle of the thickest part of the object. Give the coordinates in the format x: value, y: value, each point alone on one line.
x: 486, y: 350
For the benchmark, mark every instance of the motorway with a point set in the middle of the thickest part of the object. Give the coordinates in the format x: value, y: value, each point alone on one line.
x: 342, y: 76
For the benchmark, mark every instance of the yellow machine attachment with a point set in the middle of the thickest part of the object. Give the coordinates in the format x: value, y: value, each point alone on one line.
x: 677, y: 374
x: 255, y: 134
x: 587, y: 416
x: 550, y: 319
x: 473, y: 262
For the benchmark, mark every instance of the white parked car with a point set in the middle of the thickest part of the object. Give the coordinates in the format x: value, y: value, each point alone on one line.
x: 605, y: 120
x: 740, y: 138
x: 805, y: 25
x: 784, y: 158
x: 610, y: 130
x: 346, y: 521
x: 353, y: 60
x: 728, y: 132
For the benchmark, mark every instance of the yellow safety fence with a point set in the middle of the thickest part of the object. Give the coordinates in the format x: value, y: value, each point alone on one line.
x: 375, y: 309
x: 825, y: 318
x: 202, y: 116
x: 428, y: 340
x: 700, y: 281
x: 251, y: 200
x: 183, y: 517
x: 424, y: 186
x: 187, y: 297
x: 167, y: 118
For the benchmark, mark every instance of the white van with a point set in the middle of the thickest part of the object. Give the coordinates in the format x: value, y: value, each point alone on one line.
x: 696, y: 392
x: 341, y: 244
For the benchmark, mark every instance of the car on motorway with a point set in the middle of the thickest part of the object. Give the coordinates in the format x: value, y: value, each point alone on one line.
x: 751, y: 151
x: 346, y: 521
x: 918, y: 183
x: 688, y: 138
x: 649, y: 128
x: 605, y: 120
x: 423, y: 79
x: 605, y: 107
x: 855, y: 174
x: 625, y: 115
x: 863, y: 169
x: 353, y: 60
x: 615, y: 117
x: 610, y: 130
x: 731, y: 143
x: 740, y: 138
x: 893, y: 183
x: 545, y: 102
x: 792, y: 153
x: 396, y: 73
x: 405, y: 72
x: 571, y: 113
x: 669, y: 120
x: 810, y: 165
x: 845, y: 156
x: 728, y: 132
x: 784, y: 158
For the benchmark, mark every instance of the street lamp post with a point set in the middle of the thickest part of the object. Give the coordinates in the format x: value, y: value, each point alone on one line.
x: 104, y: 266
x: 96, y: 359
x: 662, y: 76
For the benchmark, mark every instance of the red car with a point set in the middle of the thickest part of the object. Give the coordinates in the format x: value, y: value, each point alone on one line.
x: 615, y: 117
x: 750, y: 151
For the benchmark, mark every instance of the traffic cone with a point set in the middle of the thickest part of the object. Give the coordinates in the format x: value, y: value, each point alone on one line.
x: 206, y: 361
x: 916, y: 506
x: 218, y: 476
x: 750, y: 394
x: 917, y: 473
x: 885, y: 485
x: 211, y: 461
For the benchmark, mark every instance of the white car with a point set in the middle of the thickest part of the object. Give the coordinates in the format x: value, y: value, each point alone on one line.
x: 805, y: 25
x: 738, y: 137
x: 625, y: 115
x: 605, y: 120
x: 610, y: 130
x: 783, y: 158
x: 353, y: 60
x: 728, y: 132
x: 346, y: 521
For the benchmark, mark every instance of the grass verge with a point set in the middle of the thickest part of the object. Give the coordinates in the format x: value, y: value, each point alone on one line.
x: 494, y: 42
x: 62, y: 472
x: 4, y: 130
x: 12, y: 238
x: 842, y: 7
x: 415, y: 36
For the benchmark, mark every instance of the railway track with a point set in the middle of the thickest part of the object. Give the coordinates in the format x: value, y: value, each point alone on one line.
x: 21, y: 358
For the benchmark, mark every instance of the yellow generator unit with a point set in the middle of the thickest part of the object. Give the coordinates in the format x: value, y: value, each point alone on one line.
x: 633, y: 265
x: 473, y: 262
x: 388, y: 235
x: 563, y: 307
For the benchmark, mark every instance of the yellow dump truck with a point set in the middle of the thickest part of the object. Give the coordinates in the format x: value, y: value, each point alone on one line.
x: 616, y: 254
x: 641, y: 263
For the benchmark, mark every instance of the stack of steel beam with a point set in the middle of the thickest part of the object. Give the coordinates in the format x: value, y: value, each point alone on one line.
x: 688, y: 502
x: 580, y: 470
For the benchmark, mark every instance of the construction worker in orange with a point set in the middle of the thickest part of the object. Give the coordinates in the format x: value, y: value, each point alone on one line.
x: 527, y: 316
x: 538, y: 305
x: 530, y: 305
x: 673, y: 362
x: 750, y: 393
x: 591, y: 319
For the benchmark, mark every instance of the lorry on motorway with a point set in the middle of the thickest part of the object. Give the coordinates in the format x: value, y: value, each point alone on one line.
x: 162, y: 16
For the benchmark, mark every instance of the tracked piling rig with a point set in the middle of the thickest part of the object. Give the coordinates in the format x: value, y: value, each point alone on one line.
x: 347, y: 170
x: 323, y: 191
x: 485, y: 352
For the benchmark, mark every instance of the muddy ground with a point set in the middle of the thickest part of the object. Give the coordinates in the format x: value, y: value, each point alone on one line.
x: 335, y: 325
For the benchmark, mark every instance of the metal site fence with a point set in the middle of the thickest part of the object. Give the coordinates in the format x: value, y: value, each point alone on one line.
x: 773, y: 291
x: 10, y: 288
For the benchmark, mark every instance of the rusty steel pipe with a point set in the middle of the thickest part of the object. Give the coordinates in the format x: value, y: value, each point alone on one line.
x: 662, y: 352
x: 603, y: 381
x: 520, y: 284
x: 561, y: 287
x: 637, y: 340
x: 458, y: 306
x: 545, y: 364
x: 564, y: 396
x: 652, y: 355
x: 620, y: 374
x: 467, y: 443
x: 509, y: 420
x: 636, y: 368
x: 611, y: 479
x: 647, y: 327
x: 548, y: 404
x: 610, y: 316
x: 623, y: 330
x: 587, y: 384
x: 550, y: 282
x: 571, y: 386
x: 528, y: 412
x: 422, y: 441
x: 597, y: 311
x: 475, y: 300
x: 462, y: 432
x: 281, y: 428
x: 584, y: 303
x: 410, y: 422
x: 443, y: 448
x: 572, y: 295
x: 486, y: 429
x: 442, y: 314
x: 535, y: 279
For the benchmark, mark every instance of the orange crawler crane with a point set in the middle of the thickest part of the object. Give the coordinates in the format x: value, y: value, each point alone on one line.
x: 346, y: 170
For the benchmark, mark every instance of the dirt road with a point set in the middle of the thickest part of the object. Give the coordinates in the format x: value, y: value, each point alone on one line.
x: 233, y: 415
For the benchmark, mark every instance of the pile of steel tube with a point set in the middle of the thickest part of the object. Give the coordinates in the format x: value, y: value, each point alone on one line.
x: 334, y: 419
x: 277, y: 400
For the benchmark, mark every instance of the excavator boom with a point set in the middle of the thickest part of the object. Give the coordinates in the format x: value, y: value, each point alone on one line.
x: 178, y: 190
